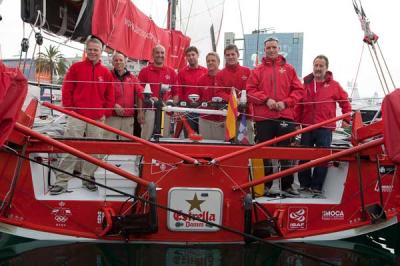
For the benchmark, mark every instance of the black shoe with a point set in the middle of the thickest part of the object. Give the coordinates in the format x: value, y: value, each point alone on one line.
x: 90, y: 186
x: 291, y: 192
x: 317, y: 193
x: 57, y: 190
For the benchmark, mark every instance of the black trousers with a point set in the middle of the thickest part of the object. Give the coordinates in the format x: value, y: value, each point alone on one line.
x: 269, y: 129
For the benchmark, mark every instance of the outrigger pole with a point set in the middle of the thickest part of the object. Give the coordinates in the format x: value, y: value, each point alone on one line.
x: 186, y: 158
x: 312, y: 163
x: 27, y: 131
x: 278, y: 139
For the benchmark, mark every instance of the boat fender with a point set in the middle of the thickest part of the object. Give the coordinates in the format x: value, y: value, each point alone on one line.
x: 108, y: 214
x: 248, y: 202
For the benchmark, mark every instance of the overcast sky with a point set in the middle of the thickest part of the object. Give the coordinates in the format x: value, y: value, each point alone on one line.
x: 330, y: 27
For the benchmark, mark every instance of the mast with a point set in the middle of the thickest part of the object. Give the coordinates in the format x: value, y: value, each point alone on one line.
x: 171, y: 18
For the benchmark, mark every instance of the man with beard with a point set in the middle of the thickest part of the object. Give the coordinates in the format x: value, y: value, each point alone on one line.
x: 322, y: 93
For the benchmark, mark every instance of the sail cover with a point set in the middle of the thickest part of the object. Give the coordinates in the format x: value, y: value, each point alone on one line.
x: 118, y: 23
x: 13, y: 89
x: 391, y: 122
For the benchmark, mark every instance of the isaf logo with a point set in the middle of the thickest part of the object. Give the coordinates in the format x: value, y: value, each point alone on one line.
x: 297, y: 218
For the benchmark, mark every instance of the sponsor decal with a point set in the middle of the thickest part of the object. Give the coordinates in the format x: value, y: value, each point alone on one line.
x: 332, y: 215
x: 204, y: 204
x: 387, y: 179
x: 297, y: 218
x: 385, y: 188
x: 61, y: 214
x: 100, y: 217
x: 188, y: 222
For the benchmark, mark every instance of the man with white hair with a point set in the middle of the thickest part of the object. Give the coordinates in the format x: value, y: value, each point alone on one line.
x: 127, y: 92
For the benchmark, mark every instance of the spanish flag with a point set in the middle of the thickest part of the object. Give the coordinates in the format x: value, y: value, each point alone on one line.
x: 231, y: 116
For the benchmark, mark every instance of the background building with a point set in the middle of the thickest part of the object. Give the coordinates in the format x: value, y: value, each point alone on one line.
x: 291, y: 47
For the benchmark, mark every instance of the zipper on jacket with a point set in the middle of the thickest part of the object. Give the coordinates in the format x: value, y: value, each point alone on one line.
x: 274, y: 78
x: 313, y: 99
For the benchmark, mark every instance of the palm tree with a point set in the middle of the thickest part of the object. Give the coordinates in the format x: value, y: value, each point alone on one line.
x: 52, y: 61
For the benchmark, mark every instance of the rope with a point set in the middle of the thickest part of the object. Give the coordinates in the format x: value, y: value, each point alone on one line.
x: 357, y: 72
x: 241, y: 22
x: 376, y: 70
x: 386, y: 66
x: 189, y: 16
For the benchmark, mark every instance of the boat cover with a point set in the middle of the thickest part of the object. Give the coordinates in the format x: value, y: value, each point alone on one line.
x: 13, y: 90
x: 118, y: 23
x: 391, y: 122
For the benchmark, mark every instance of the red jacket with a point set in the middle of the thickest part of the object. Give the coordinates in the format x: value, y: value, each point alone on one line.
x: 156, y: 76
x: 277, y: 80
x: 127, y: 88
x: 189, y: 76
x: 88, y: 86
x: 319, y: 102
x: 208, y: 91
x: 231, y: 76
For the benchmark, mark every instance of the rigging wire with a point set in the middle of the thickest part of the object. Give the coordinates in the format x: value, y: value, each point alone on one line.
x: 258, y: 31
x: 357, y: 72
x: 168, y: 209
x: 241, y: 22
x: 387, y: 68
x: 189, y: 16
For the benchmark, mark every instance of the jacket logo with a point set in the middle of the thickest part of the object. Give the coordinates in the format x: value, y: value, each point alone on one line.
x: 100, y: 78
x: 326, y: 85
x: 167, y: 77
x: 282, y: 70
x: 244, y: 77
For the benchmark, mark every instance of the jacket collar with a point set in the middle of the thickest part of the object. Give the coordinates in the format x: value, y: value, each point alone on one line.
x: 280, y: 60
x: 310, y: 77
x: 121, y: 77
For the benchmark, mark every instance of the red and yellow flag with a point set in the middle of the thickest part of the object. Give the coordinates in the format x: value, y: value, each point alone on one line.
x: 231, y: 116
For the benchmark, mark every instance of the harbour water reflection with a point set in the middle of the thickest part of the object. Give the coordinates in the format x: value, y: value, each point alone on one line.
x: 380, y: 248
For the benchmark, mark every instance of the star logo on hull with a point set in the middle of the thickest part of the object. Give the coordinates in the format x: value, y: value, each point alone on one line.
x: 195, y: 203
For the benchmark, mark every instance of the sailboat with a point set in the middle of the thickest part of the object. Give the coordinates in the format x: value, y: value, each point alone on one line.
x: 181, y: 191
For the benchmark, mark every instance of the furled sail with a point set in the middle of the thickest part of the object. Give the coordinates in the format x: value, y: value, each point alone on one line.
x: 201, y: 20
x: 118, y: 23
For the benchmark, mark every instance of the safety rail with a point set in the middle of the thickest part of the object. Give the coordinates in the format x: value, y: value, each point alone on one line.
x: 312, y: 163
x: 277, y: 139
x: 186, y: 158
x: 29, y: 132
